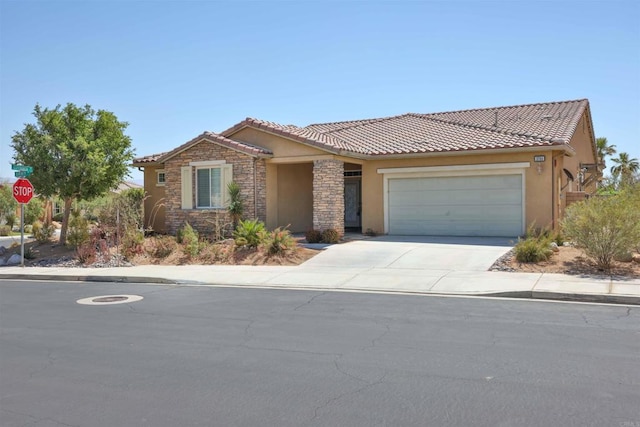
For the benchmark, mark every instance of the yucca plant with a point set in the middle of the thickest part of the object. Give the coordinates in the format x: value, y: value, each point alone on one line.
x: 236, y: 208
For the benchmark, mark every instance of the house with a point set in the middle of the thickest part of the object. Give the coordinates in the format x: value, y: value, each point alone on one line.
x: 481, y: 172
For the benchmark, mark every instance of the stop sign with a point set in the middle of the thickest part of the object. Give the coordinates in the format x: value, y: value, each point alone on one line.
x: 22, y: 190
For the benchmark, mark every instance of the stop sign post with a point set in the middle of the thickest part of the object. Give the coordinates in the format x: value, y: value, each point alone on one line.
x: 22, y: 192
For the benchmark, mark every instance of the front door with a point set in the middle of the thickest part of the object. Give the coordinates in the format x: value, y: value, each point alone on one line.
x: 352, y: 203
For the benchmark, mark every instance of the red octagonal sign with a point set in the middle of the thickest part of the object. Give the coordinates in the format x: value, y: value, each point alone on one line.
x: 22, y: 190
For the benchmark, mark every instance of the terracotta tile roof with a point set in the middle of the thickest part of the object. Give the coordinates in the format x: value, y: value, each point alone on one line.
x: 520, y: 126
x: 532, y: 125
x: 303, y: 135
x: 152, y: 158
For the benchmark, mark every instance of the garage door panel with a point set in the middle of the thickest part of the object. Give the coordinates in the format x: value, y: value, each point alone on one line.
x: 455, y: 197
x: 463, y: 206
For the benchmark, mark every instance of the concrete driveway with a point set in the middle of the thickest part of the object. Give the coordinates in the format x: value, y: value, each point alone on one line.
x: 415, y: 252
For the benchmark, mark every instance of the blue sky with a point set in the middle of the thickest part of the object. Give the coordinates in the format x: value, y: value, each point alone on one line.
x: 175, y: 69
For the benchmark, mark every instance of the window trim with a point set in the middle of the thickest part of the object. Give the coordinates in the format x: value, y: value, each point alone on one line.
x: 158, y: 183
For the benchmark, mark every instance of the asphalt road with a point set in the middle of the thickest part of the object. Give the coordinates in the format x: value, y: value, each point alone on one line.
x: 201, y: 356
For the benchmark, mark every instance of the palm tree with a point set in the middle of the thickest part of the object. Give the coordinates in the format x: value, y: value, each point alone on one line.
x: 604, y: 149
x: 625, y: 168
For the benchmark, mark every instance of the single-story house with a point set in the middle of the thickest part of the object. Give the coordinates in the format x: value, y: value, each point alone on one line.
x: 481, y: 172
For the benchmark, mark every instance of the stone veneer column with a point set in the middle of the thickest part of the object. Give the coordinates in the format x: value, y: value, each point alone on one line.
x: 328, y: 195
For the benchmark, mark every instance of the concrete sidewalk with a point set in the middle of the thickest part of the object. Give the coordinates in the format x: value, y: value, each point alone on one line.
x: 400, y: 280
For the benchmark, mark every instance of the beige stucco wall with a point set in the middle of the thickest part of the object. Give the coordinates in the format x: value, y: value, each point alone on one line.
x: 538, y: 196
x: 583, y: 145
x: 281, y: 147
x: 290, y: 196
x: 154, y: 203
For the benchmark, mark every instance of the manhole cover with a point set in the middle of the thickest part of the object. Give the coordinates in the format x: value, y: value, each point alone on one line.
x: 109, y: 299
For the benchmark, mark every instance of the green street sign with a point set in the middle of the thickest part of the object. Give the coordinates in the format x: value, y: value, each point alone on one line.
x: 22, y: 174
x: 22, y: 168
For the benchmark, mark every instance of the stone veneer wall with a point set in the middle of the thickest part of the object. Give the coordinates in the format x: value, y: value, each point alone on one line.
x: 243, y: 174
x: 328, y: 195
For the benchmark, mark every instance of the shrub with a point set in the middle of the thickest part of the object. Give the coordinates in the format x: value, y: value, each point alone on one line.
x: 78, y: 233
x: 605, y: 227
x: 330, y: 235
x: 57, y: 217
x: 236, y: 208
x: 5, y: 230
x: 33, y: 211
x: 250, y: 233
x: 279, y: 241
x: 162, y: 246
x: 29, y: 253
x: 533, y: 249
x: 313, y: 236
x: 43, y: 232
x: 28, y: 228
x: 190, y: 240
x: 370, y: 232
x: 132, y: 243
x: 87, y: 253
x: 10, y: 218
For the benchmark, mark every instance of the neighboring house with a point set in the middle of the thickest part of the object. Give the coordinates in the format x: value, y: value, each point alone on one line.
x: 483, y: 172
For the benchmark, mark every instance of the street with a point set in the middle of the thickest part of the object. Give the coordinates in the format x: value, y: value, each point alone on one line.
x: 210, y: 356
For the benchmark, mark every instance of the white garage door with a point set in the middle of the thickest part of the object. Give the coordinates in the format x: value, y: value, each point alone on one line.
x: 456, y: 206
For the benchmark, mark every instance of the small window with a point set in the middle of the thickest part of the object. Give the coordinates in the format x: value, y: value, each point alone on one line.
x: 161, y: 178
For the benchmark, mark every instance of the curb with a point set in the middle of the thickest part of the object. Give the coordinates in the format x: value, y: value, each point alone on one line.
x: 538, y: 295
x: 109, y: 279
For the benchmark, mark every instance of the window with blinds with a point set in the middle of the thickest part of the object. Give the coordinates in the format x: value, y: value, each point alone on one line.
x: 209, y: 187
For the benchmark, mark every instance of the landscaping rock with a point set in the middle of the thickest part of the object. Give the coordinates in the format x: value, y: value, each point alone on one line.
x: 3, y: 250
x: 14, y: 259
x: 554, y: 247
x: 2, y: 262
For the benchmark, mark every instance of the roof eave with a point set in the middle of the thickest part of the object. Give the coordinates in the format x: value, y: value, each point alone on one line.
x: 569, y: 151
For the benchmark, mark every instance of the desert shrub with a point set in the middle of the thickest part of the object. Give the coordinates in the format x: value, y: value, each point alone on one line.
x: 87, y: 253
x: 605, y: 227
x: 78, y: 233
x: 279, y: 241
x: 33, y: 211
x: 11, y: 219
x: 533, y: 249
x: 190, y: 240
x: 313, y: 236
x: 162, y: 246
x: 250, y: 233
x: 29, y: 253
x: 57, y: 217
x: 370, y: 232
x: 43, y: 232
x: 330, y: 235
x: 5, y: 230
x: 132, y: 242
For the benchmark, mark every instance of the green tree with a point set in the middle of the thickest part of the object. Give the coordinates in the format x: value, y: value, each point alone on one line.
x: 625, y: 169
x: 33, y: 211
x: 604, y: 149
x: 8, y: 204
x: 77, y: 153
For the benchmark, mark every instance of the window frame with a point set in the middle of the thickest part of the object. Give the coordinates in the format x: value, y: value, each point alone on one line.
x: 218, y: 167
x: 164, y: 174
